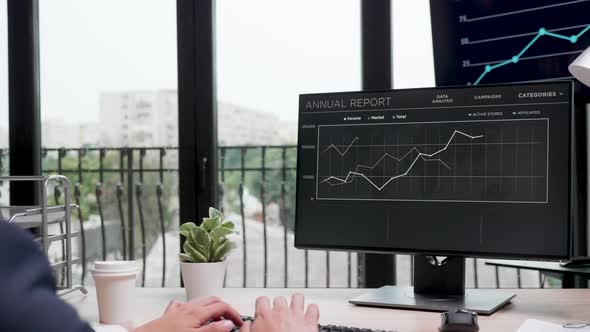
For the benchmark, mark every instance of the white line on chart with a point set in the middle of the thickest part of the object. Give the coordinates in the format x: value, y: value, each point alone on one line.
x: 338, y: 150
x: 421, y: 155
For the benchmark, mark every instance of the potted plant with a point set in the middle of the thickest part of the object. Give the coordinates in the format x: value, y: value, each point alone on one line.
x: 203, y: 260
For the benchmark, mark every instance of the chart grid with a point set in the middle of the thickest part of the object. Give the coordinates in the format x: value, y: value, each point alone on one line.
x: 457, y: 167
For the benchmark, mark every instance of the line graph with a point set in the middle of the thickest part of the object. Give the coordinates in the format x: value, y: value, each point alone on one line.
x: 420, y: 155
x: 509, y: 41
x: 516, y: 58
x: 332, y: 146
x: 466, y: 161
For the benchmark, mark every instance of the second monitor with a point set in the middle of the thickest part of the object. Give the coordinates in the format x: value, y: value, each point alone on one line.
x: 473, y: 171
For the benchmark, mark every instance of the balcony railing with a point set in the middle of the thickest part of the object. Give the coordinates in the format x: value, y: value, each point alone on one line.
x: 128, y: 209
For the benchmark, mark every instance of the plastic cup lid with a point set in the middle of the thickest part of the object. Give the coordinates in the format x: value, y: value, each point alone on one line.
x: 115, y: 267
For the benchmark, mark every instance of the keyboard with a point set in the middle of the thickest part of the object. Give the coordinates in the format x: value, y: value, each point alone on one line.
x: 327, y: 328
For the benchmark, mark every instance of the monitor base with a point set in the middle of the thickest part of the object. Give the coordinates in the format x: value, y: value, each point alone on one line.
x: 482, y: 301
x: 439, y: 285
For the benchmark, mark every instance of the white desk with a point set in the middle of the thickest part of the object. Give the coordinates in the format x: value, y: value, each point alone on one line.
x: 556, y: 305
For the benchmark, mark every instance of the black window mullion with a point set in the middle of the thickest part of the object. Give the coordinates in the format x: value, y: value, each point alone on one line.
x: 23, y: 98
x: 197, y: 124
x: 376, y: 270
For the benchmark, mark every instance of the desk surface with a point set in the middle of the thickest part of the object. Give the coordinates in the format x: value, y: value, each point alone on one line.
x: 556, y: 305
x: 541, y: 266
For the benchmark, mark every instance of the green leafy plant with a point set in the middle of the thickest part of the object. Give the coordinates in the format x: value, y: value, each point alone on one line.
x: 209, y: 241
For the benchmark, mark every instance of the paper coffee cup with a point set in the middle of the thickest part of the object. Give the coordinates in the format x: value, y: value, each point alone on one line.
x: 115, y: 291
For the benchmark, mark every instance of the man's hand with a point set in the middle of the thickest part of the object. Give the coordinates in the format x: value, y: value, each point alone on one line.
x: 282, y: 317
x: 203, y: 315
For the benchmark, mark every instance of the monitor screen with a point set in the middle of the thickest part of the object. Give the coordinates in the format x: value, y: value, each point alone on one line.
x: 479, y: 171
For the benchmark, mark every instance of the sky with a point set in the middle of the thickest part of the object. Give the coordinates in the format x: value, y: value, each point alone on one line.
x: 268, y: 51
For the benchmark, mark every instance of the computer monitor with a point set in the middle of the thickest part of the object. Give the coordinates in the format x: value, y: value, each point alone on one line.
x: 478, y: 171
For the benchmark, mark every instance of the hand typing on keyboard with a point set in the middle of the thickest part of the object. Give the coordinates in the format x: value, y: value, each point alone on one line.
x: 283, y: 317
x: 280, y: 316
x: 203, y: 315
x: 213, y: 315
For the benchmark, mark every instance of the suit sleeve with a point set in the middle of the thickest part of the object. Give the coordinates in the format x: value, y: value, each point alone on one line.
x: 28, y: 300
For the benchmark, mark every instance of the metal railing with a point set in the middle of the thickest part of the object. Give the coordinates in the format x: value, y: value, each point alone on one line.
x: 117, y: 185
x: 127, y: 209
x: 269, y: 173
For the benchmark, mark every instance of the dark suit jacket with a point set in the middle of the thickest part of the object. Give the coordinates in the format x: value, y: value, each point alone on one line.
x: 28, y: 300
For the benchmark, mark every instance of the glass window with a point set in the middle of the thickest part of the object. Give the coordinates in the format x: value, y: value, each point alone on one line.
x: 108, y: 97
x: 413, y: 62
x: 113, y: 61
x: 269, y: 52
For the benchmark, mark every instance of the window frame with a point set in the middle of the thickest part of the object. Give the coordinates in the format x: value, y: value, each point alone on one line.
x: 197, y: 117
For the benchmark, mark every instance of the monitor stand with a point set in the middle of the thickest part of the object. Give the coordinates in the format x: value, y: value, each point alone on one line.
x: 439, y: 285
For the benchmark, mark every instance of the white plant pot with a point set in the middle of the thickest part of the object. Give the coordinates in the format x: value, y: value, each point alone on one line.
x: 202, y: 279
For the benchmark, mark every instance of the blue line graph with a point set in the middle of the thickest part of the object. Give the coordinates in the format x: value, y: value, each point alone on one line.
x: 542, y: 32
